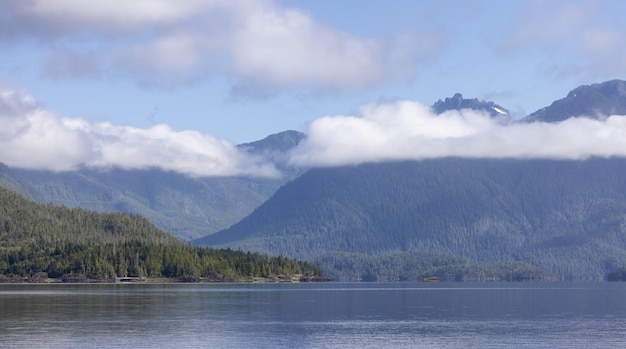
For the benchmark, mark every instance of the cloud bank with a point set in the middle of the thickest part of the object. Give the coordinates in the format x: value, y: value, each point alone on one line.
x: 170, y: 43
x: 34, y: 138
x: 407, y: 130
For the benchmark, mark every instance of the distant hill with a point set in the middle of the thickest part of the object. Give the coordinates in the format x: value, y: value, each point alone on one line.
x: 457, y: 102
x: 567, y: 217
x: 277, y: 143
x: 276, y: 147
x: 40, y: 241
x: 187, y: 207
x: 594, y: 101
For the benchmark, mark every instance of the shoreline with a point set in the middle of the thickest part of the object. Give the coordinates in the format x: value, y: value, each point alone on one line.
x: 82, y: 279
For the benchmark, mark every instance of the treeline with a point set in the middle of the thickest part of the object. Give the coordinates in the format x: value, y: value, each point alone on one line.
x: 619, y: 274
x: 419, y: 266
x: 40, y: 239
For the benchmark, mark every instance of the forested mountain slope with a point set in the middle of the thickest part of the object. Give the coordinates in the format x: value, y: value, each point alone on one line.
x: 568, y: 217
x: 184, y: 206
x: 78, y: 244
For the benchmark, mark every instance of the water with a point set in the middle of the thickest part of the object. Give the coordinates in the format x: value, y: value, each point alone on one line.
x: 326, y: 315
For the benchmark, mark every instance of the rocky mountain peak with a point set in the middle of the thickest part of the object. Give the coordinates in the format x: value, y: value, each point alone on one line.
x: 457, y: 102
x: 592, y: 101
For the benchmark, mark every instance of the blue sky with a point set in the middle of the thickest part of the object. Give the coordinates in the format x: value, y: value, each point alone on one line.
x: 198, y: 76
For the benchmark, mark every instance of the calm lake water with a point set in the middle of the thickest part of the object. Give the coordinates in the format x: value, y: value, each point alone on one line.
x: 325, y: 315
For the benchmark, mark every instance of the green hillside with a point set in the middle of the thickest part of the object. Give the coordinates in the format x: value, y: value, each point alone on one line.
x: 80, y: 245
x: 187, y: 207
x: 567, y: 217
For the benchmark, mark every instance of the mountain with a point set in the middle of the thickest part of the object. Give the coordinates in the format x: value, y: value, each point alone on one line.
x: 40, y: 241
x: 275, y: 148
x: 187, y: 207
x: 457, y: 102
x: 278, y: 143
x: 594, y: 101
x: 566, y: 217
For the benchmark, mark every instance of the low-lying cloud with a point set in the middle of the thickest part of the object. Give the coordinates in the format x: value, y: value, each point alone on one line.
x: 409, y: 130
x: 34, y: 138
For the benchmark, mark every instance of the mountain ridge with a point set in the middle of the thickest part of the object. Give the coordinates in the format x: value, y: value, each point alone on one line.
x: 594, y: 101
x: 457, y: 102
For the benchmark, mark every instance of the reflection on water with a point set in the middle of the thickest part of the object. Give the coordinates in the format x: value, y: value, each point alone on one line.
x: 328, y: 315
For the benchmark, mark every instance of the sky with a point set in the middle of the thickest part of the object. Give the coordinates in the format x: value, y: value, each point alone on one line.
x: 178, y: 84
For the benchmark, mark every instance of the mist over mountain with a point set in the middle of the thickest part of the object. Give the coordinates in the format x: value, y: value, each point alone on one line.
x: 276, y: 148
x: 459, y: 127
x: 551, y: 195
x: 35, y: 138
x: 188, y: 207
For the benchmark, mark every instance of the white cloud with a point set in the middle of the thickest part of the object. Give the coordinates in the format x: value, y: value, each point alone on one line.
x: 187, y: 152
x: 42, y: 140
x: 65, y: 63
x: 411, y: 131
x: 37, y: 139
x: 550, y: 22
x: 14, y: 104
x: 61, y: 17
x: 257, y: 43
x: 167, y: 61
x: 287, y: 48
x: 588, y: 30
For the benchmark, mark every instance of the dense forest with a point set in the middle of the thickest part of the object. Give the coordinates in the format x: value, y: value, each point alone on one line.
x: 423, y: 266
x: 183, y: 206
x: 566, y: 217
x: 45, y: 241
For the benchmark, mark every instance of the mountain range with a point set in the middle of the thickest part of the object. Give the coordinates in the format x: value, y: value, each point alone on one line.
x: 566, y: 217
x: 376, y: 221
